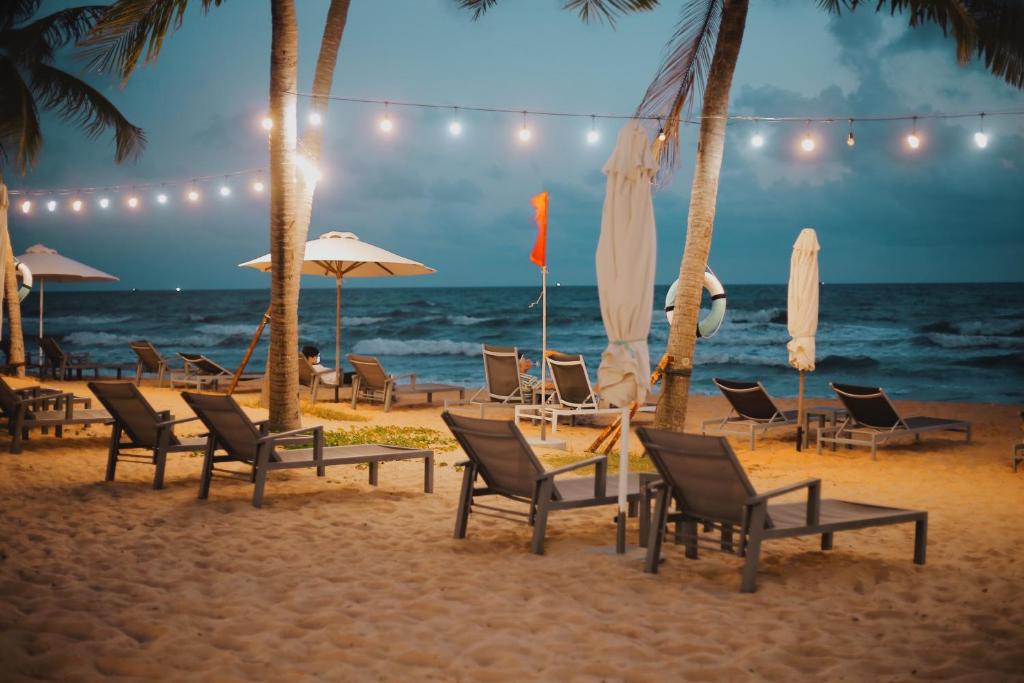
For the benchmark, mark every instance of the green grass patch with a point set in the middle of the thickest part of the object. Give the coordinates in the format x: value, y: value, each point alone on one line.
x: 325, y: 411
x: 407, y: 437
x: 638, y: 462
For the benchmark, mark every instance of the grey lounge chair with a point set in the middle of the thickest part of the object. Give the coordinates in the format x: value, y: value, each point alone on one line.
x: 503, y: 383
x: 242, y: 440
x: 151, y: 361
x: 753, y: 411
x: 372, y: 383
x: 500, y: 456
x: 873, y: 420
x: 68, y: 365
x: 203, y: 373
x: 710, y: 488
x: 314, y: 379
x: 43, y: 409
x: 146, y: 429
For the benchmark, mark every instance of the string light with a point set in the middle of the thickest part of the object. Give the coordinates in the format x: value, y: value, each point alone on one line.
x: 133, y: 202
x: 524, y: 132
x: 51, y: 206
x: 315, y: 119
x: 193, y: 195
x: 757, y: 140
x: 850, y: 140
x: 455, y: 127
x: 913, y: 141
x: 661, y: 132
x: 76, y: 205
x: 592, y: 135
x: 385, y: 122
x: 104, y: 202
x: 26, y: 206
x: 267, y: 123
x: 980, y: 139
x: 257, y: 186
x: 225, y: 191
x: 808, y: 142
x: 161, y: 198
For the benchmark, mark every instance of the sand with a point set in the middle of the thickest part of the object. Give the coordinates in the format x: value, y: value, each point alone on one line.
x: 340, y: 581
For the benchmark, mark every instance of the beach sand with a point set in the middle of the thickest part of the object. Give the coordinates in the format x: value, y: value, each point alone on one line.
x: 339, y: 580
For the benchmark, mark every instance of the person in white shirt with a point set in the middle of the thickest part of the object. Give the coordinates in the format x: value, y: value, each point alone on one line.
x: 530, y: 383
x: 328, y: 377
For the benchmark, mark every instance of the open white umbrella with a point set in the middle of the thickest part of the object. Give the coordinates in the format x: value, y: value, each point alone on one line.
x: 49, y: 266
x: 802, y: 311
x: 342, y: 255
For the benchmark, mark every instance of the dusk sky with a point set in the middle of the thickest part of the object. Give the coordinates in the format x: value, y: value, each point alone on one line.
x: 947, y: 212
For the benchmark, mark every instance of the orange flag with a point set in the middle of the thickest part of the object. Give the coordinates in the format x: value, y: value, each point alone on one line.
x: 539, y: 255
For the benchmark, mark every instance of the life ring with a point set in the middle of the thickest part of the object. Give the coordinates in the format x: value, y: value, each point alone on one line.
x: 26, y: 279
x: 710, y: 323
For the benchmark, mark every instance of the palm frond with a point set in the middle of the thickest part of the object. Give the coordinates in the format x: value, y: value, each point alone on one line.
x: 20, y: 132
x: 476, y: 7
x: 606, y: 10
x: 1000, y: 26
x: 133, y: 32
x: 40, y: 39
x: 680, y: 79
x: 78, y: 102
x: 16, y: 11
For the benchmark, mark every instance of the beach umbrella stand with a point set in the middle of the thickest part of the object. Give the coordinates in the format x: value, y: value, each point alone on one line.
x: 802, y: 315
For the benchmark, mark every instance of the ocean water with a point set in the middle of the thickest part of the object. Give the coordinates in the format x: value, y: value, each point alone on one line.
x: 956, y: 342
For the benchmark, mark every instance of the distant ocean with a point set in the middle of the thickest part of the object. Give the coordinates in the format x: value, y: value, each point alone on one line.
x: 951, y: 342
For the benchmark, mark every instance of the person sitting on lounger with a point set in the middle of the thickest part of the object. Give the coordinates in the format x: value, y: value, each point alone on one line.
x: 327, y: 376
x: 529, y: 382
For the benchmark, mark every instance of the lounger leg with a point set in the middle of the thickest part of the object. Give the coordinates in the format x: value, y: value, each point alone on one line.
x: 920, y: 540
x: 645, y: 515
x: 752, y: 439
x: 204, y: 481
x: 690, y: 529
x: 727, y: 537
x: 753, y: 550
x: 428, y: 474
x: 261, y: 482
x: 631, y: 508
x: 115, y: 441
x: 657, y: 532
x: 374, y: 467
x: 465, y: 501
x: 968, y: 434
x: 540, y: 520
x: 17, y: 434
x: 826, y: 541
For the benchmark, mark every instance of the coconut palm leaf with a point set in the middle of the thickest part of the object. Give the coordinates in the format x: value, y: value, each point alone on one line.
x: 19, y: 119
x: 16, y: 11
x: 40, y: 39
x: 679, y: 81
x: 133, y: 32
x: 589, y: 10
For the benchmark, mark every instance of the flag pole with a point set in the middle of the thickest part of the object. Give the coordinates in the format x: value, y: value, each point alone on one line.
x: 543, y: 346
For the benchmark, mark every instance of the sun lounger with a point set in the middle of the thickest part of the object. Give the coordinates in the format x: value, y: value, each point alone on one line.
x: 710, y: 487
x: 371, y: 383
x: 873, y: 419
x: 314, y: 379
x: 151, y: 361
x: 41, y: 408
x: 203, y: 373
x: 242, y: 440
x: 145, y: 428
x: 753, y: 411
x: 67, y: 365
x: 499, y: 455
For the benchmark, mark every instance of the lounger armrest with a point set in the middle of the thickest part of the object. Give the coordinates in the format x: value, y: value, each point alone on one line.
x: 813, y: 487
x: 172, y: 422
x: 599, y: 461
x: 315, y: 432
x: 464, y: 463
x: 35, y: 401
x: 263, y: 426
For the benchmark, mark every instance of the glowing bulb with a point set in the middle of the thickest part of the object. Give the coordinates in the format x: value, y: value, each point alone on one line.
x: 267, y: 123
x: 386, y: 125
x: 26, y: 206
x: 455, y: 128
x: 757, y: 140
x: 177, y: 289
x: 315, y: 119
x: 161, y: 198
x: 850, y: 140
x: 193, y: 195
x: 807, y: 143
x: 661, y: 135
x: 76, y: 205
x: 133, y: 202
x: 104, y: 202
x: 593, y: 136
x: 257, y: 187
x: 225, y: 191
x: 51, y: 206
x: 524, y: 134
x: 309, y: 170
x: 981, y: 139
x: 913, y: 141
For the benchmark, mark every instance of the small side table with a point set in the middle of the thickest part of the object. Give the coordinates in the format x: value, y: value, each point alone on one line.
x: 822, y: 413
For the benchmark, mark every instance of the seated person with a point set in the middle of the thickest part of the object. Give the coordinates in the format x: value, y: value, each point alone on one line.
x: 329, y: 377
x: 529, y: 382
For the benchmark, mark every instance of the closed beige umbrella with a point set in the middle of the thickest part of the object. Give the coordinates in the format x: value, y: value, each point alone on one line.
x: 802, y: 312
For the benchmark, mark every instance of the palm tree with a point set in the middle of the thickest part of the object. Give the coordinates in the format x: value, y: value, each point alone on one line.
x: 30, y: 82
x: 700, y: 59
x: 131, y: 33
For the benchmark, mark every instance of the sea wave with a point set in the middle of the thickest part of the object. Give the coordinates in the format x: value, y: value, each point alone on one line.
x: 94, y: 339
x: 977, y: 328
x: 775, y: 316
x: 75, y: 321
x: 416, y: 347
x: 1004, y: 360
x: 963, y: 341
x: 835, y: 362
x: 361, y: 320
x: 466, y: 320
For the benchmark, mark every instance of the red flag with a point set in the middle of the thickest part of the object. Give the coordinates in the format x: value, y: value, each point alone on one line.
x: 539, y: 255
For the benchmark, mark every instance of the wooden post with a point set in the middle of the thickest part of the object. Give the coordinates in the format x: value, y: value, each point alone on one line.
x: 248, y: 352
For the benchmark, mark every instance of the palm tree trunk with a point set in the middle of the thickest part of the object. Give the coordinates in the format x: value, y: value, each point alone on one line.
x: 16, y: 339
x: 282, y: 369
x: 700, y: 222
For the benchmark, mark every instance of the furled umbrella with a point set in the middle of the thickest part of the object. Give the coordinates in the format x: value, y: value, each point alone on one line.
x: 802, y: 310
x: 343, y: 255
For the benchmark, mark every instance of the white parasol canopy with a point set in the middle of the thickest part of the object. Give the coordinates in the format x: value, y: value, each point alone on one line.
x: 802, y: 310
x: 625, y: 268
x: 341, y: 255
x: 47, y: 265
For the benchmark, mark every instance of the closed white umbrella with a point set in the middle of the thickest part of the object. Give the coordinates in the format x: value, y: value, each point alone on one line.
x: 342, y: 255
x: 802, y: 311
x: 49, y: 266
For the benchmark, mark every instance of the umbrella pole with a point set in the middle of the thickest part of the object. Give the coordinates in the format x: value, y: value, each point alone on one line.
x: 543, y: 346
x: 800, y: 414
x: 248, y: 352
x: 337, y: 333
x: 39, y: 343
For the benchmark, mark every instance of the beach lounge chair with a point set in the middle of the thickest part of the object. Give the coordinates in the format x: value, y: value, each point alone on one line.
x: 710, y: 488
x: 312, y: 378
x: 499, y: 455
x: 203, y: 373
x: 42, y: 408
x: 372, y: 383
x: 67, y: 365
x: 151, y: 361
x: 502, y: 381
x: 753, y: 411
x: 873, y: 419
x: 245, y: 441
x: 145, y: 428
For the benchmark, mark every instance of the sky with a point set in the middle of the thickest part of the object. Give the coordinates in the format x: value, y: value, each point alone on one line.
x: 947, y: 212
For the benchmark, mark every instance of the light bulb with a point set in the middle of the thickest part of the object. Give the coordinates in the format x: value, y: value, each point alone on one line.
x: 757, y: 140
x: 661, y: 135
x: 133, y: 202
x: 455, y: 128
x: 593, y: 136
x: 26, y: 206
x: 386, y: 125
x: 104, y: 202
x: 981, y: 139
x: 76, y: 205
x: 51, y: 206
x: 193, y: 195
x: 267, y: 123
x: 161, y: 198
x: 315, y: 119
x: 807, y: 143
x: 524, y: 134
x: 850, y: 140
x: 257, y: 187
x: 913, y: 141
x: 225, y: 191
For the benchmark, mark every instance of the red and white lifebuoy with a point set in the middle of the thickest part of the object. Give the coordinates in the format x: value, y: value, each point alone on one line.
x: 709, y: 324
